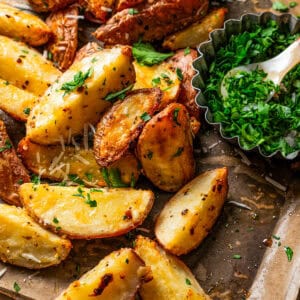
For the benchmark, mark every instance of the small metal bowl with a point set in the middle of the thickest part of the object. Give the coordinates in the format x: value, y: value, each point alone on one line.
x: 219, y: 38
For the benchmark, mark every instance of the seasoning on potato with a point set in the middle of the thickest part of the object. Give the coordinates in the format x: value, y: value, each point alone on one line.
x: 49, y: 5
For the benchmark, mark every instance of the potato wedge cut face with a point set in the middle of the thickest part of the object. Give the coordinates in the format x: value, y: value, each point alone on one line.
x: 122, y: 124
x: 116, y: 277
x: 165, y: 148
x: 66, y: 107
x: 74, y: 164
x: 87, y: 213
x: 189, y: 215
x: 25, y: 67
x: 172, y: 279
x: 24, y: 243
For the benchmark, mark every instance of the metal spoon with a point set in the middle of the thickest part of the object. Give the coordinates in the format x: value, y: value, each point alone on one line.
x: 275, y: 68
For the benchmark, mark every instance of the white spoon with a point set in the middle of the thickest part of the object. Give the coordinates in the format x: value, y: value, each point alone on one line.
x: 275, y: 68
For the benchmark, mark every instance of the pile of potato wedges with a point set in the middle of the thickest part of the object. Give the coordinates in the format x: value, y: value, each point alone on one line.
x: 98, y: 116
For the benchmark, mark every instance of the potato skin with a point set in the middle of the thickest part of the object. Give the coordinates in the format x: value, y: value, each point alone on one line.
x: 123, y: 4
x: 188, y: 216
x: 64, y: 43
x: 20, y: 25
x: 24, y: 243
x: 49, y: 5
x: 12, y: 171
x: 25, y: 67
x: 100, y: 9
x: 165, y: 148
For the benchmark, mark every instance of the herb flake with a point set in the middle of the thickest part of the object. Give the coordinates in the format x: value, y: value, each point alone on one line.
x: 289, y: 253
x: 112, y: 97
x: 7, y: 146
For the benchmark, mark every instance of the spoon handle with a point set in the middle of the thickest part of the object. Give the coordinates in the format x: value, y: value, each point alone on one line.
x: 280, y: 65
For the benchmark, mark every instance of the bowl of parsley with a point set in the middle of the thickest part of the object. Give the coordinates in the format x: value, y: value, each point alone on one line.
x: 246, y: 116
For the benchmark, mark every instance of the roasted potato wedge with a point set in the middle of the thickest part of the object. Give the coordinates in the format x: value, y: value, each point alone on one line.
x: 20, y: 25
x: 172, y: 279
x: 123, y: 4
x: 12, y: 172
x: 153, y: 22
x: 116, y: 277
x: 83, y: 213
x: 196, y: 33
x: 165, y: 148
x: 16, y: 102
x: 77, y: 98
x: 49, y: 5
x: 56, y: 164
x: 24, y: 243
x: 62, y: 48
x: 88, y: 49
x: 100, y: 9
x: 162, y: 76
x: 189, y: 215
x: 24, y: 67
x: 122, y: 124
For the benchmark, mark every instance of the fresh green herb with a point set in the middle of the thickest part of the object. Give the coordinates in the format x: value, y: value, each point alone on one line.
x: 49, y: 55
x: 93, y: 190
x: 63, y: 183
x: 112, y: 177
x: 17, y: 287
x: 175, y: 116
x: 293, y: 4
x: 89, y: 201
x: 94, y: 60
x: 166, y: 78
x: 133, y: 11
x: 118, y: 95
x: 188, y: 282
x: 58, y: 228
x: 6, y: 82
x: 179, y: 74
x: 149, y: 154
x: 127, y: 261
x: 178, y: 152
x: 55, y: 220
x: 156, y: 81
x: 236, y: 256
x: 289, y: 253
x: 75, y: 179
x: 187, y: 51
x: 89, y: 176
x: 7, y: 146
x: 145, y: 54
x: 77, y: 82
x: 36, y: 181
x: 280, y: 6
x: 26, y: 111
x: 20, y: 181
x: 25, y: 51
x: 145, y: 117
x: 132, y: 180
x: 276, y: 237
x: 80, y: 193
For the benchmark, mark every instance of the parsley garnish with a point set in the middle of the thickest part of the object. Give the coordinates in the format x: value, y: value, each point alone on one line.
x: 145, y: 117
x: 77, y: 82
x: 89, y: 176
x: 293, y: 4
x: 175, y: 115
x: 26, y: 111
x: 156, y: 81
x: 75, y: 179
x: 166, y: 78
x: 36, y: 181
x: 188, y: 282
x: 90, y: 202
x: 289, y: 253
x: 6, y: 146
x: 187, y: 51
x: 93, y: 190
x: 145, y: 54
x: 179, y: 74
x: 55, y: 220
x: 178, y: 152
x: 112, y: 177
x: 276, y: 237
x: 149, y: 154
x: 133, y: 11
x: 236, y: 256
x: 132, y: 180
x: 20, y: 181
x: 280, y: 6
x: 6, y: 82
x: 49, y: 55
x: 17, y: 287
x: 118, y: 95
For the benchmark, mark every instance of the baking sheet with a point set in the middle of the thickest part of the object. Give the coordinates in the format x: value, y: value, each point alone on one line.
x: 238, y: 230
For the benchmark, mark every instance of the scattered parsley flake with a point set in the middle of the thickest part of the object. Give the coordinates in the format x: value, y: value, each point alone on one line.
x: 111, y: 97
x: 25, y: 51
x: 145, y: 117
x: 179, y: 74
x: 276, y: 237
x: 49, y: 55
x: 133, y: 11
x: 26, y: 111
x: 17, y: 287
x: 149, y: 154
x: 293, y: 4
x: 93, y: 190
x: 55, y: 220
x: 175, y: 116
x: 279, y: 6
x: 6, y: 146
x: 90, y: 202
x: 89, y: 176
x: 20, y: 181
x: 112, y: 177
x: 289, y: 253
x: 75, y: 179
x: 187, y: 51
x: 236, y: 256
x: 156, y: 81
x: 188, y: 282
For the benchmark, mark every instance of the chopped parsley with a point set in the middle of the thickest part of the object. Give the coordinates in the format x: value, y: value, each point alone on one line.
x: 236, y: 256
x: 36, y: 180
x: 49, y: 55
x: 7, y: 146
x: 178, y: 152
x: 89, y: 176
x: 17, y: 287
x: 293, y: 4
x: 289, y: 253
x: 279, y: 6
x: 145, y: 54
x: 156, y: 81
x: 145, y: 117
x: 133, y: 11
x: 118, y: 95
x: 94, y: 60
x: 20, y: 181
x: 26, y: 111
x: 188, y: 282
x: 276, y: 237
x: 55, y: 220
x: 75, y: 179
x: 187, y: 51
x: 112, y: 177
x: 132, y: 180
x: 89, y: 201
x: 6, y: 82
x: 149, y: 154
x: 175, y: 116
x: 179, y: 74
x: 166, y: 78
x: 93, y: 190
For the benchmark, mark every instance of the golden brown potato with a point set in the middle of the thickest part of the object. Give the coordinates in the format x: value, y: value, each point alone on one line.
x: 76, y: 163
x: 24, y: 243
x: 78, y: 97
x: 189, y: 215
x: 82, y: 213
x: 64, y: 25
x: 22, y: 26
x: 25, y: 67
x: 165, y: 148
x: 122, y: 124
x: 12, y: 172
x: 49, y: 5
x: 88, y: 49
x: 16, y: 102
x: 196, y: 33
x: 172, y: 279
x: 153, y: 22
x: 161, y: 76
x: 123, y: 4
x: 117, y: 277
x: 100, y: 9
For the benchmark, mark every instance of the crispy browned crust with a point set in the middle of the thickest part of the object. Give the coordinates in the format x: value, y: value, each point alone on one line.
x: 12, y: 171
x: 87, y: 50
x: 188, y: 93
x: 100, y: 9
x: 64, y: 26
x: 123, y: 4
x: 152, y: 23
x: 49, y: 5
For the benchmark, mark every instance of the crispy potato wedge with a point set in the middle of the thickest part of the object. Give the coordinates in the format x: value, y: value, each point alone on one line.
x: 196, y: 33
x: 88, y: 49
x: 83, y: 213
x: 116, y: 277
x: 77, y: 98
x: 25, y: 67
x: 24, y: 243
x: 16, y: 102
x: 122, y: 124
x: 189, y: 215
x: 49, y: 5
x: 20, y: 25
x: 123, y: 4
x: 100, y: 9
x: 12, y: 172
x: 172, y: 279
x: 154, y: 22
x: 56, y: 164
x: 165, y: 148
x: 62, y: 48
x: 162, y: 76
